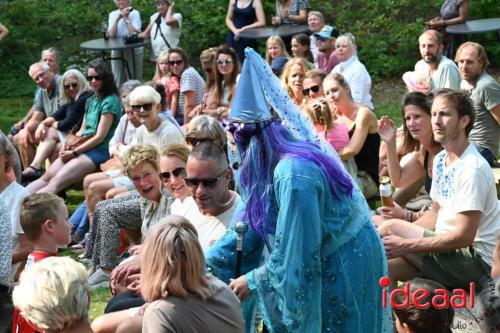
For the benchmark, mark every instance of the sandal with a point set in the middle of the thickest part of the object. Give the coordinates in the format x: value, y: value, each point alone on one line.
x: 30, y: 175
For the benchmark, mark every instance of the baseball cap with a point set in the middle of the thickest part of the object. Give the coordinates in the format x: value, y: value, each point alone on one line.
x: 327, y: 32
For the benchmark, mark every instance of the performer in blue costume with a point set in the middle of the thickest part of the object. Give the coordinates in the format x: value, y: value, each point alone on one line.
x: 324, y: 257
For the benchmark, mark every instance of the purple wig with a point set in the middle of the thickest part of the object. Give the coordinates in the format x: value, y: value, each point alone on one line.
x: 262, y: 145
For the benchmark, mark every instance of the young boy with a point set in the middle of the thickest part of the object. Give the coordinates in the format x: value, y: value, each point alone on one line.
x: 44, y: 219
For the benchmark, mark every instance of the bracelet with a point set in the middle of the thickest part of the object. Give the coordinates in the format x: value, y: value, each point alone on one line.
x: 408, y: 215
x: 75, y: 152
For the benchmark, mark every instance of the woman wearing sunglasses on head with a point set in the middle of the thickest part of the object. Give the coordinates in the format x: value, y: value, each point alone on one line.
x: 103, y: 111
x: 74, y: 92
x: 226, y: 78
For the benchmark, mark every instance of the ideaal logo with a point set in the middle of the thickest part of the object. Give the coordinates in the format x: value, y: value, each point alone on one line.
x: 442, y: 298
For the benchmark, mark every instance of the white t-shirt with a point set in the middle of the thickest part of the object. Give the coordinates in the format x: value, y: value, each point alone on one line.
x: 445, y: 76
x: 171, y: 34
x: 125, y: 130
x: 211, y: 228
x: 164, y: 135
x: 466, y: 185
x: 13, y: 197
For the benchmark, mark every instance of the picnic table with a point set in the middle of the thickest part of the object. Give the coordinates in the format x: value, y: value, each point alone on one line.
x: 476, y: 27
x: 283, y: 30
x: 106, y: 45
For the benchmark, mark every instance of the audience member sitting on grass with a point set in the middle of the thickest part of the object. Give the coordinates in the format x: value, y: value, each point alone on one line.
x: 184, y: 302
x: 136, y: 212
x: 300, y: 47
x: 423, y: 320
x: 275, y: 48
x: 145, y: 101
x: 313, y: 84
x: 453, y: 243
x: 102, y: 114
x: 53, y: 296
x: 171, y: 83
x: 443, y: 71
x: 292, y: 78
x: 485, y: 95
x: 226, y: 76
x: 364, y: 141
x: 74, y: 91
x: 353, y: 70
x: 105, y: 185
x: 164, y: 28
x: 315, y: 21
x: 417, y: 128
x: 12, y: 195
x: 45, y: 104
x: 44, y: 218
x: 192, y: 84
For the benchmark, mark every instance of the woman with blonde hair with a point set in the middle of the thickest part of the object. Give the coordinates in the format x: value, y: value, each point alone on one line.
x: 183, y: 298
x: 293, y: 78
x: 275, y: 48
x: 362, y: 123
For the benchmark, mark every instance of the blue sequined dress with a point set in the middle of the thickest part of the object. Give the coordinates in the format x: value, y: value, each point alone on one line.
x: 324, y: 262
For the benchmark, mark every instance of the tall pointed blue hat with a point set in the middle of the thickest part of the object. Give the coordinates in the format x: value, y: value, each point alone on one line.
x: 249, y: 103
x: 259, y: 90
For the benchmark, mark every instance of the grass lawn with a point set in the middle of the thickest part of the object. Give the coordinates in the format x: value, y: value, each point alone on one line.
x: 386, y: 94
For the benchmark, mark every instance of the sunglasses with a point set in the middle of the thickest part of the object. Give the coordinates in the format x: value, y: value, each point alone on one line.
x: 226, y: 62
x: 314, y: 89
x: 96, y: 78
x: 71, y: 85
x: 195, y: 141
x: 175, y: 62
x: 208, y: 182
x: 145, y: 107
x: 177, y: 172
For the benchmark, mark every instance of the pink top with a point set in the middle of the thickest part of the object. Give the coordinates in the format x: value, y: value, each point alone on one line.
x: 338, y: 136
x: 172, y: 85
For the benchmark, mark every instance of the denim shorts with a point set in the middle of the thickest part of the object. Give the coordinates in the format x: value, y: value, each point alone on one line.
x: 98, y: 155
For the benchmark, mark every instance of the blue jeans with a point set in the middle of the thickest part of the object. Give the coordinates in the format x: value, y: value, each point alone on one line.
x: 80, y: 220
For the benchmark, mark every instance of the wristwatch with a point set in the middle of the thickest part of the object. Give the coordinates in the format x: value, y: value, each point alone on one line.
x: 127, y: 21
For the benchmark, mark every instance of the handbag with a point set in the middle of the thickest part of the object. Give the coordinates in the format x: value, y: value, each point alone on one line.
x: 74, y: 141
x: 132, y: 39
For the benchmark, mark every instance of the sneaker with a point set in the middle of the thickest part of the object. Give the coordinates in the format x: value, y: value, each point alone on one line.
x: 99, y: 278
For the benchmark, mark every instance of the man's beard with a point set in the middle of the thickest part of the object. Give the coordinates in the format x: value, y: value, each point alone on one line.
x: 432, y: 59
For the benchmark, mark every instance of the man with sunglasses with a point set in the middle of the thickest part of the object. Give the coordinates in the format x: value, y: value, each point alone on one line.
x: 208, y: 176
x: 325, y: 41
x: 46, y: 103
x: 313, y: 84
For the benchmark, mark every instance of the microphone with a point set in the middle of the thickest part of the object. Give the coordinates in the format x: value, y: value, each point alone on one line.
x: 241, y: 228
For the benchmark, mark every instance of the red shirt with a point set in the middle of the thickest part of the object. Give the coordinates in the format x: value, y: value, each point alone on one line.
x: 19, y: 324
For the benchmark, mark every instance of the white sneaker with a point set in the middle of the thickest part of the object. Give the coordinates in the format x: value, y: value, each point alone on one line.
x: 99, y: 278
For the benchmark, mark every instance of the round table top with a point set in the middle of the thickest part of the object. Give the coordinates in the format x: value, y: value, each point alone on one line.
x: 475, y: 27
x: 284, y: 30
x: 102, y: 44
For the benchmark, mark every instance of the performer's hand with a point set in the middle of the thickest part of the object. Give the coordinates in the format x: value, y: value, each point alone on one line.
x: 395, y: 246
x: 240, y: 287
